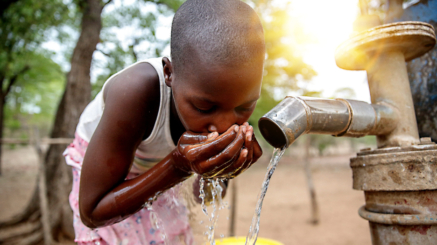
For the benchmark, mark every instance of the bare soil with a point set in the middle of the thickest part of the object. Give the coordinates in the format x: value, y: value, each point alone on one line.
x: 286, y: 210
x: 18, y: 180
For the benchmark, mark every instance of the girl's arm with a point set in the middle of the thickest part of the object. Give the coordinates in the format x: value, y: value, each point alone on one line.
x: 131, y: 107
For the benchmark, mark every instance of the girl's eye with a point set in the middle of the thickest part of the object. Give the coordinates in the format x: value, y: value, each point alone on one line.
x: 245, y: 108
x: 205, y: 111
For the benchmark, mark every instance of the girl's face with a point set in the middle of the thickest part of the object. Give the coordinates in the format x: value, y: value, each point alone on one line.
x: 213, y: 98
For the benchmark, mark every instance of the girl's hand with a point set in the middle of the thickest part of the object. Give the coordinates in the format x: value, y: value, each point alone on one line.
x: 218, y: 156
x: 250, y: 153
x: 209, y: 154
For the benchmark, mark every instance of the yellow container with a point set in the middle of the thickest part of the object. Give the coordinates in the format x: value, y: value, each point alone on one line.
x: 242, y: 241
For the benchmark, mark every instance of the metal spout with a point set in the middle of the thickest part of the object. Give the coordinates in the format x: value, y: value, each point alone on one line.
x: 295, y: 116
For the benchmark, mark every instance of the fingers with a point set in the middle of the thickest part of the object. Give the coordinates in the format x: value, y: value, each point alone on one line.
x: 225, y: 170
x: 254, y: 153
x: 249, y: 146
x: 248, y: 143
x: 198, y: 153
x: 191, y: 138
x: 257, y: 151
x: 220, y: 161
x: 236, y: 167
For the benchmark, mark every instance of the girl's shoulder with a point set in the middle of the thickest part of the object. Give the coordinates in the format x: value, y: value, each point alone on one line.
x: 140, y: 78
x: 134, y: 93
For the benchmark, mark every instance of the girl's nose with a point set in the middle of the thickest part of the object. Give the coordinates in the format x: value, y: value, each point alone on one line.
x: 212, y: 128
x: 223, y: 122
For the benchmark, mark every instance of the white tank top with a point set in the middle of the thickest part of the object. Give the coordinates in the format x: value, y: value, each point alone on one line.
x: 159, y: 143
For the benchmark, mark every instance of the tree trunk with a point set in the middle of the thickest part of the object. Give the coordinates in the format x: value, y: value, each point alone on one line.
x: 2, y: 103
x: 76, y: 96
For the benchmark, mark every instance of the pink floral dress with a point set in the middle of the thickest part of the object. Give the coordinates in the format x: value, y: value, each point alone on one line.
x: 171, y: 223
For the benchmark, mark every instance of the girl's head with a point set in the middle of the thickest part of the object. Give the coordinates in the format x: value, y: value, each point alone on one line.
x: 217, y: 63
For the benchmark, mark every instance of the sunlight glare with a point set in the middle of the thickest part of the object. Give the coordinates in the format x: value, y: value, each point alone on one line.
x: 328, y: 24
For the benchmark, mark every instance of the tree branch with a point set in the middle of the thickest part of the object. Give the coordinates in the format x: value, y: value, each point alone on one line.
x: 131, y: 48
x: 107, y: 2
x: 134, y: 54
x: 103, y: 52
x: 14, y: 79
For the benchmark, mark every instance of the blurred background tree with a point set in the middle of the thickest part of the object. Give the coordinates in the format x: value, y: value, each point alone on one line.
x: 140, y: 41
x: 24, y: 26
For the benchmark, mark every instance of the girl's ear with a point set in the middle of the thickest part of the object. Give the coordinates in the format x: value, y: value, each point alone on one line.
x: 168, y: 71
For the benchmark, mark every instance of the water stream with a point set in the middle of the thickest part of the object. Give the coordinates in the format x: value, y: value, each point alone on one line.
x: 156, y: 221
x: 216, y: 203
x: 202, y: 195
x: 254, y: 227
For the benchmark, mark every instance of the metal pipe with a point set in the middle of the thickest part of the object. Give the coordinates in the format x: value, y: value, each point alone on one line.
x: 388, y: 83
x: 382, y: 52
x: 295, y: 116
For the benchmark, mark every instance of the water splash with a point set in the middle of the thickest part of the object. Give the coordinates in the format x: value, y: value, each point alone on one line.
x: 98, y: 241
x: 254, y: 227
x: 155, y: 220
x: 216, y: 203
x: 202, y: 195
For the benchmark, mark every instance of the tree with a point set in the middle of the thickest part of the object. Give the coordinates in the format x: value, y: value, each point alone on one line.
x: 25, y: 106
x: 121, y: 51
x: 74, y: 100
x: 24, y: 25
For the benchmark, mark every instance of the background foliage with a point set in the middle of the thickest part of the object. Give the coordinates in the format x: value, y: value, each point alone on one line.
x: 30, y: 80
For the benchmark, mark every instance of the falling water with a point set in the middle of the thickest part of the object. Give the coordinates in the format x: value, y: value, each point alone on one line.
x: 202, y: 195
x: 254, y: 227
x: 155, y: 221
x: 216, y: 203
x: 91, y: 236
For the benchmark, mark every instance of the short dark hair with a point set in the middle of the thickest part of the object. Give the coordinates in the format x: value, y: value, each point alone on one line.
x: 222, y: 31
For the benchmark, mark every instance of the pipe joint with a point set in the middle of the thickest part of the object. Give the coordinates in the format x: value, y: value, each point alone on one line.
x: 370, y: 119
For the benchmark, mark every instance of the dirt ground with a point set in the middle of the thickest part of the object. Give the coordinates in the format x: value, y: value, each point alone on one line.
x: 18, y: 179
x: 286, y: 210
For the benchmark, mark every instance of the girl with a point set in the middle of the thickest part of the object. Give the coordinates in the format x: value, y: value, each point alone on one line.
x: 158, y: 121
